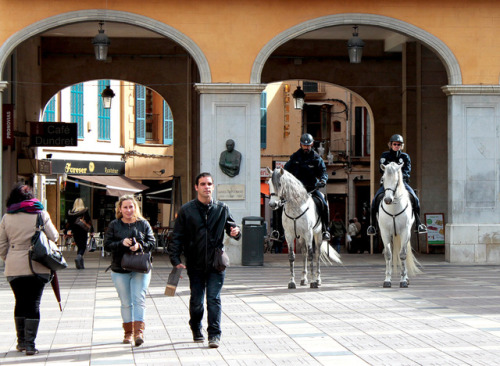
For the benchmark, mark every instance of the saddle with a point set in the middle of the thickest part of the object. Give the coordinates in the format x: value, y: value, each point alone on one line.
x: 319, y: 205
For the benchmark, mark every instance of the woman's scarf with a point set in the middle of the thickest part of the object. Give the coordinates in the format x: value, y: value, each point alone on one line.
x: 29, y: 206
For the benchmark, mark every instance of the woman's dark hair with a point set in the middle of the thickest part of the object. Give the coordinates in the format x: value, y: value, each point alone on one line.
x: 20, y: 192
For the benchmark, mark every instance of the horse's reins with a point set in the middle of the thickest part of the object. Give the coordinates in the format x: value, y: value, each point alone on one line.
x: 396, y: 215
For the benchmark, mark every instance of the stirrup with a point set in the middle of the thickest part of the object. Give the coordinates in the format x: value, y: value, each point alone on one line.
x: 371, y: 230
x: 326, y: 236
x: 422, y: 229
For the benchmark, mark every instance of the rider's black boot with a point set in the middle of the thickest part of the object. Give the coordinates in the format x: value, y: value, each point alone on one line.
x: 372, y: 229
x: 420, y: 228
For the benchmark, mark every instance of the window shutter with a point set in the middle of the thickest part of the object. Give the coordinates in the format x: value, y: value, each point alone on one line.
x: 168, y: 125
x: 140, y: 114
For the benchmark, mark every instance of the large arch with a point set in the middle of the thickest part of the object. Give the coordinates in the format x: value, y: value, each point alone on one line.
x: 112, y: 16
x: 431, y: 41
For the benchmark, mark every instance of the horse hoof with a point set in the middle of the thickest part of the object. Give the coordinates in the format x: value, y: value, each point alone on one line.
x: 314, y: 285
x: 291, y: 285
x: 303, y: 283
x: 387, y: 284
x: 403, y: 284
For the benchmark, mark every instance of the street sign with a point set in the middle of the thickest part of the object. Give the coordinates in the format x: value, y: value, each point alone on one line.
x: 53, y: 134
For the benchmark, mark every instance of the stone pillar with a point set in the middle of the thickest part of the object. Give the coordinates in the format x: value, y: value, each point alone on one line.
x: 473, y: 226
x: 232, y: 111
x: 3, y: 85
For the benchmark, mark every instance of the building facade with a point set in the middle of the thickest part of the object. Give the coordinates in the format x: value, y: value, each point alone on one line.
x: 429, y: 71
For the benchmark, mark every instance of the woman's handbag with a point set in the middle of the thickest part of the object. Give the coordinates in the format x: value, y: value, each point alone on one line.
x: 138, y: 261
x: 221, y: 260
x: 45, y: 251
x: 81, y: 223
x: 92, y: 245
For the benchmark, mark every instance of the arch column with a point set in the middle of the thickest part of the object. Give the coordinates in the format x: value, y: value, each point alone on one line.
x: 232, y: 111
x: 472, y: 230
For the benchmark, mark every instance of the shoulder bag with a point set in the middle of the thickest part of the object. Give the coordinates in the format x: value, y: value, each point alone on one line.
x: 81, y: 223
x: 138, y: 261
x: 45, y: 251
x: 92, y: 245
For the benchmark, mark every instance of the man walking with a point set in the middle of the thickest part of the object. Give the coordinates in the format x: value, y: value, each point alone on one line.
x: 198, y: 231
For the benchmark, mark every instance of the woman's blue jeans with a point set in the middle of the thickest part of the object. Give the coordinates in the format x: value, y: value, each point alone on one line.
x: 132, y: 288
x: 211, y: 282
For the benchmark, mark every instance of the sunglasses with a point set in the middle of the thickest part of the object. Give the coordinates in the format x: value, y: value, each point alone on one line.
x: 396, y: 144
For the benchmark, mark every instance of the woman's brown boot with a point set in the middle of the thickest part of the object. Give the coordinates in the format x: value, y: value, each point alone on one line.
x: 129, y: 331
x: 139, y: 333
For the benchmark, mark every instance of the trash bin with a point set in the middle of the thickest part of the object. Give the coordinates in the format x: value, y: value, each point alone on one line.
x: 254, y: 231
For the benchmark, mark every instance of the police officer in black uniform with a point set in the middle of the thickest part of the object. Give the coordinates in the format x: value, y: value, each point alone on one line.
x: 308, y: 167
x: 395, y: 154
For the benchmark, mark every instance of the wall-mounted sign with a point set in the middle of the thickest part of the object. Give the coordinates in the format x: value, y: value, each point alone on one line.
x: 76, y: 167
x: 53, y: 134
x: 231, y: 192
x: 8, y: 125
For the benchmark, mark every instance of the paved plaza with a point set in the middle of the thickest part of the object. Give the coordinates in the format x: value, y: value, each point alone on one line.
x: 450, y: 315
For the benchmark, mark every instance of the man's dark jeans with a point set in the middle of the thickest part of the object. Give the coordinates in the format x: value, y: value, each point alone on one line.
x: 211, y: 282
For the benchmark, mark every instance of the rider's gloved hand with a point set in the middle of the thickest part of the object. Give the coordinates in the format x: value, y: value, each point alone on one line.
x: 320, y: 184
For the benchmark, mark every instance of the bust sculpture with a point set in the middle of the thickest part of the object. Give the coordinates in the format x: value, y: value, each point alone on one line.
x: 230, y: 160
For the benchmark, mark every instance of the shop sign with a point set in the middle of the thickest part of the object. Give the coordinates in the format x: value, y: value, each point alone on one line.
x: 44, y: 167
x: 53, y: 134
x: 8, y: 125
x: 87, y: 167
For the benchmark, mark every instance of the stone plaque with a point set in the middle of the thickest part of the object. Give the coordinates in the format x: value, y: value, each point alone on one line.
x: 231, y: 192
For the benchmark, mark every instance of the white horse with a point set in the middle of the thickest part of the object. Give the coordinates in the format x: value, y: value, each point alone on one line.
x: 395, y: 219
x: 301, y: 223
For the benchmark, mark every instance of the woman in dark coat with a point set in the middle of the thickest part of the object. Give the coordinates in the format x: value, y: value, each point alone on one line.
x: 80, y: 231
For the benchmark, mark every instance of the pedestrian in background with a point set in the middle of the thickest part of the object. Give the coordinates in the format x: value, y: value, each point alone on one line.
x: 80, y: 226
x: 16, y: 229
x: 130, y: 232
x: 199, y: 230
x: 337, y: 230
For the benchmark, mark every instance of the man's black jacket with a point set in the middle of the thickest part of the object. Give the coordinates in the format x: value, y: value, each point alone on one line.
x: 198, y: 230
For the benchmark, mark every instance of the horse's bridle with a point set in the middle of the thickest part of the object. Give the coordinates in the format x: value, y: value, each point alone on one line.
x: 387, y: 213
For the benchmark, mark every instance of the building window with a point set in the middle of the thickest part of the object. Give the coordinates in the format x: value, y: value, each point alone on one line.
x: 310, y: 87
x: 77, y: 107
x: 168, y: 125
x: 103, y: 115
x: 362, y: 132
x: 140, y: 114
x: 49, y: 115
x: 263, y: 120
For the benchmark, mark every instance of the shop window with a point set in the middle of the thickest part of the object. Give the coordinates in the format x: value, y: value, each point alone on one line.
x: 103, y: 114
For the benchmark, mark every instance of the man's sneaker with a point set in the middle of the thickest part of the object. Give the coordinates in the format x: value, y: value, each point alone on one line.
x: 213, y: 342
x: 422, y: 229
x: 198, y: 336
x: 326, y: 236
x: 371, y: 230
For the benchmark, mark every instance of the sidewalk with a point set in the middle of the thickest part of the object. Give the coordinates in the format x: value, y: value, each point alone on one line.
x: 450, y: 315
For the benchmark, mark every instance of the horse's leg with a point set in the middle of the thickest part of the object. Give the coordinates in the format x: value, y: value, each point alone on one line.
x: 291, y: 259
x: 316, y: 250
x: 405, y: 243
x: 388, y: 261
x: 305, y: 257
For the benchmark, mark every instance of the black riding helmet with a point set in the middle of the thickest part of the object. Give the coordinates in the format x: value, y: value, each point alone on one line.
x: 397, y: 138
x: 306, y: 139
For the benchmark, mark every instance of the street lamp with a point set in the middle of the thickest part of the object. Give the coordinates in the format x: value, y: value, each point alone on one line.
x: 101, y: 43
x: 107, y: 95
x: 355, y: 47
x: 298, y: 98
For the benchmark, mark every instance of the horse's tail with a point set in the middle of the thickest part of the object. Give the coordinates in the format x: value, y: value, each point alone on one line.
x: 328, y: 255
x: 412, y: 264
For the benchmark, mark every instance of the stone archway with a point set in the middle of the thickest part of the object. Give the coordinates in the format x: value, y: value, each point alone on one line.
x: 112, y: 16
x: 444, y: 53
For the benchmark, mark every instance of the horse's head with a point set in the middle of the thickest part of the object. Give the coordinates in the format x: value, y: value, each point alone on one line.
x: 393, y: 180
x: 274, y: 186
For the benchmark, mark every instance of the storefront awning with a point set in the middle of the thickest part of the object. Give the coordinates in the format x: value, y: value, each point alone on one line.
x: 115, y: 185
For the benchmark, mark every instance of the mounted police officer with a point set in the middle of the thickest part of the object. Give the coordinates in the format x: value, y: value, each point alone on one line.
x: 308, y: 167
x: 395, y: 154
